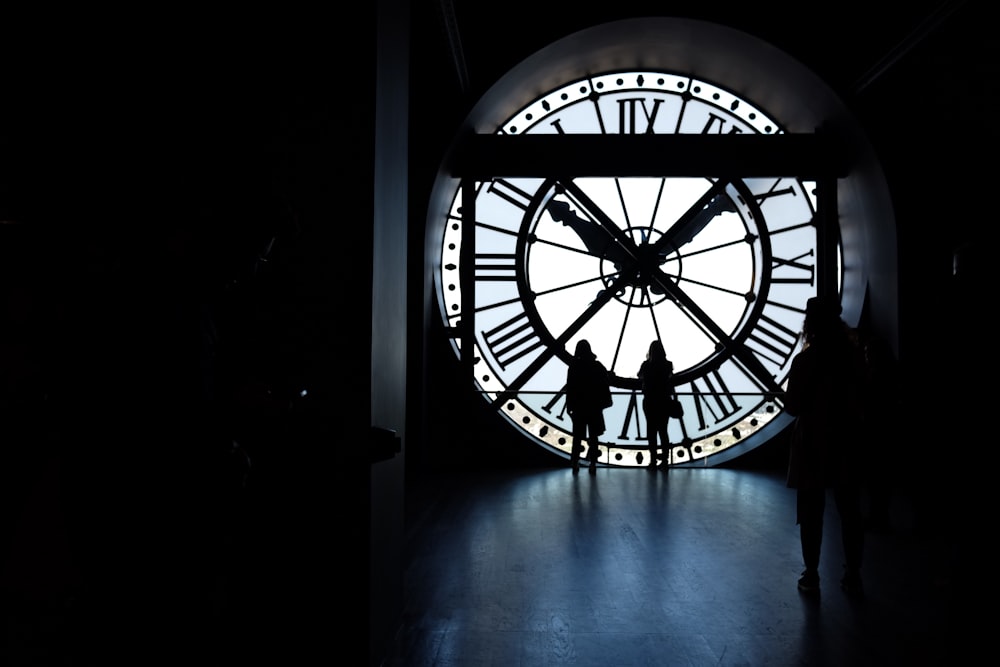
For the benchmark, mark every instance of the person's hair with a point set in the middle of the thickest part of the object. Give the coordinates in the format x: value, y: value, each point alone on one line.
x: 822, y: 321
x: 656, y: 351
x: 825, y: 325
x: 583, y: 349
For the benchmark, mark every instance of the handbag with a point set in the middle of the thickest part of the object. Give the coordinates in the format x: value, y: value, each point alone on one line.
x: 675, y: 409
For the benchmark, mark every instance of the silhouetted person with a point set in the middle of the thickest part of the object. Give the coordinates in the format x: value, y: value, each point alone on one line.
x: 588, y: 393
x: 657, y: 375
x: 882, y: 413
x: 825, y: 395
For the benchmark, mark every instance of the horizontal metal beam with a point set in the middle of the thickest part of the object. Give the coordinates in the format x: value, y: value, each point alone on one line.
x: 809, y: 156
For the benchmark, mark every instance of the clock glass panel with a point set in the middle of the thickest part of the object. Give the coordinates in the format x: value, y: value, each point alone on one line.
x: 719, y: 270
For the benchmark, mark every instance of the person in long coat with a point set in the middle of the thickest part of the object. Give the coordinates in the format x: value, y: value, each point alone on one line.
x: 657, y: 376
x: 588, y: 393
x: 825, y: 394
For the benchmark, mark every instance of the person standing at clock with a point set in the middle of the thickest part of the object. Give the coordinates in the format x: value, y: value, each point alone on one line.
x: 657, y: 376
x: 588, y: 393
x: 825, y: 394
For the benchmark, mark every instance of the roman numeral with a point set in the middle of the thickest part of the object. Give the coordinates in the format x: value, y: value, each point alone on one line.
x: 628, y: 117
x: 495, y: 267
x: 511, y: 340
x: 806, y: 272
x: 712, y: 399
x: 719, y: 122
x: 560, y: 396
x: 510, y: 192
x: 762, y: 196
x: 632, y: 412
x: 772, y: 340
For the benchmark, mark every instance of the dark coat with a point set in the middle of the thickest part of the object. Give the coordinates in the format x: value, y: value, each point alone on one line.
x: 657, y: 377
x: 825, y: 394
x: 588, y: 390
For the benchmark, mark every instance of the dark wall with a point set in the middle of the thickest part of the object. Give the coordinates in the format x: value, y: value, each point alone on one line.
x: 390, y: 274
x: 188, y: 207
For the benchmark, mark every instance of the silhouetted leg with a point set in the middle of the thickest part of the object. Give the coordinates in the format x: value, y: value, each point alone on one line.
x: 578, y: 433
x: 593, y: 445
x: 810, y: 504
x: 852, y: 531
x: 665, y: 445
x: 651, y: 443
x: 650, y: 434
x: 656, y: 432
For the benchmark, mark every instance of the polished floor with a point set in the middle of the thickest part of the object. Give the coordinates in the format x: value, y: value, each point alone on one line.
x: 690, y: 567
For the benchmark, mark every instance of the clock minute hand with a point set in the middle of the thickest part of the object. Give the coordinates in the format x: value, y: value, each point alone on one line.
x: 718, y: 205
x: 712, y: 203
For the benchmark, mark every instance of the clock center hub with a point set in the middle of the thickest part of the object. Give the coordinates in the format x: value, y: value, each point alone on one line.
x: 645, y: 285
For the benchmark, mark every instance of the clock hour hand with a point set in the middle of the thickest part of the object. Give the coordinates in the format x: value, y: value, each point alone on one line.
x: 600, y: 219
x: 601, y: 237
x: 595, y: 237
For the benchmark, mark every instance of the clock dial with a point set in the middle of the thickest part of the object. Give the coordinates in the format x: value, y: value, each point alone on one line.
x: 717, y: 269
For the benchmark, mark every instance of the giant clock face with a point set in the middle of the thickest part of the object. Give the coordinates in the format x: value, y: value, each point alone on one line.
x: 719, y: 270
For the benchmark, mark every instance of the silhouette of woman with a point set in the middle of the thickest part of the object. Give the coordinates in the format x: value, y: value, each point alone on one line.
x: 657, y: 376
x: 588, y: 393
x: 825, y: 394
